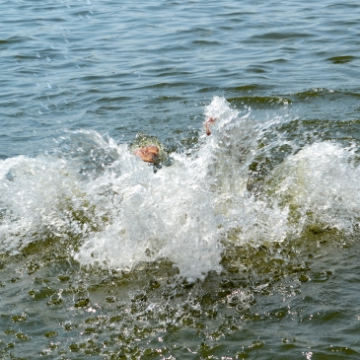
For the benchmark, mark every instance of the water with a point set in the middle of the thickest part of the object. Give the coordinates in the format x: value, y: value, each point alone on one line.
x: 243, y: 244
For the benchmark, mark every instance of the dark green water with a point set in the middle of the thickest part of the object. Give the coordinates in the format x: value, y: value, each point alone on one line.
x: 241, y: 245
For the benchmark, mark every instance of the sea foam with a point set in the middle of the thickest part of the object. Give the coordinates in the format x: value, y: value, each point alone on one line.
x: 114, y: 211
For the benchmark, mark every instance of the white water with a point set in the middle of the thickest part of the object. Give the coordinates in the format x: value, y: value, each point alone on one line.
x: 124, y: 213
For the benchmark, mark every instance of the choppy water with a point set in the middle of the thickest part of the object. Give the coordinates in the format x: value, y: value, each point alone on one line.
x: 244, y: 244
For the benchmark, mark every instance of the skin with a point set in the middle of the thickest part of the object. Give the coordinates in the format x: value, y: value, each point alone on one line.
x: 151, y: 153
x: 148, y: 153
x: 208, y: 123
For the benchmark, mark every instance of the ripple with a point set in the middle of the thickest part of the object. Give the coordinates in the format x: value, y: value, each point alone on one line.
x: 344, y: 59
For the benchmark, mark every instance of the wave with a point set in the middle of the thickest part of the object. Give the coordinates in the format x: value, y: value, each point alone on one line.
x: 245, y: 185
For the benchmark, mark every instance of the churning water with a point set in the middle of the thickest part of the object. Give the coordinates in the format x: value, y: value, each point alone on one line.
x: 241, y: 244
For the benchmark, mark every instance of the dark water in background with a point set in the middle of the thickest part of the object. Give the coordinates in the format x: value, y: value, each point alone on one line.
x: 246, y: 247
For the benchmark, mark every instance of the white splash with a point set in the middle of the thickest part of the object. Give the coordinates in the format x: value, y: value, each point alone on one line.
x: 124, y: 213
x: 321, y: 179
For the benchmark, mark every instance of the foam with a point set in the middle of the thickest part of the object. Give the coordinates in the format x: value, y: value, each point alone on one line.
x: 121, y: 213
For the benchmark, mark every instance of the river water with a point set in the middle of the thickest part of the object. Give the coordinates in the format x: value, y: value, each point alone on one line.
x: 240, y: 245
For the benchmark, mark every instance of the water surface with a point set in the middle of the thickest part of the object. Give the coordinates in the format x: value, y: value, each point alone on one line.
x: 243, y: 244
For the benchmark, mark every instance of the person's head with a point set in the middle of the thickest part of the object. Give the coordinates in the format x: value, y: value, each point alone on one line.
x: 148, y: 153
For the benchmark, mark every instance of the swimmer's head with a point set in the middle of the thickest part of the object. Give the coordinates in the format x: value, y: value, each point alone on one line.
x: 148, y: 153
x: 149, y: 149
